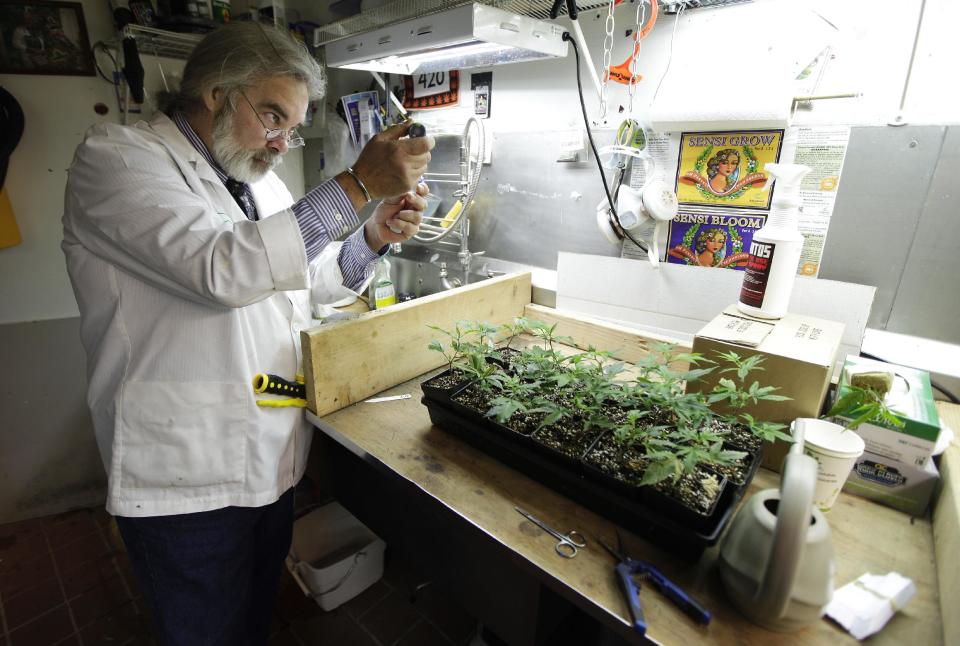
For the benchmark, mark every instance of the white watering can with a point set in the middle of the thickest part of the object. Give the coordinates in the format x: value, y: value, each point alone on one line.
x: 776, y: 561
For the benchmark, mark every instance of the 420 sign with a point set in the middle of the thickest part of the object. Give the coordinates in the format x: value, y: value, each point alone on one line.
x: 431, y: 90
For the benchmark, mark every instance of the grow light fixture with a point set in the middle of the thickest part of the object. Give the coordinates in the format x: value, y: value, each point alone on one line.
x: 471, y: 35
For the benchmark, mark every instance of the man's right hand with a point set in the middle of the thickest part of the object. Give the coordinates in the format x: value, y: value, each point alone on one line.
x: 390, y: 166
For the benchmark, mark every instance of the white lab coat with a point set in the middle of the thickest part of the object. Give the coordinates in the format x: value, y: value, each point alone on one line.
x: 182, y: 301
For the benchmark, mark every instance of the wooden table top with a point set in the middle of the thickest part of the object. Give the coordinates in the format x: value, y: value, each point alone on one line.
x: 867, y: 537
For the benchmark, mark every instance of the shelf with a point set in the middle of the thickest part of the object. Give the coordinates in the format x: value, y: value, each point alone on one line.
x: 159, y: 42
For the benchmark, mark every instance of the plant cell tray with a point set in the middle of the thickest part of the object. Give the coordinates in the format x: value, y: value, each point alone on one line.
x: 657, y: 525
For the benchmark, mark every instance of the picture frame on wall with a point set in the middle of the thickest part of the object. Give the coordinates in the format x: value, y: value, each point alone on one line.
x: 44, y: 37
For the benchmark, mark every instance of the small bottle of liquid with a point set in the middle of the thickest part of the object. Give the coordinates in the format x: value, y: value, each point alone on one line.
x: 382, y: 291
x: 775, y: 249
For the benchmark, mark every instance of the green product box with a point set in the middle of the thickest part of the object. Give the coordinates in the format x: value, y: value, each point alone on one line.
x: 911, y: 399
x: 894, y: 484
x: 221, y: 10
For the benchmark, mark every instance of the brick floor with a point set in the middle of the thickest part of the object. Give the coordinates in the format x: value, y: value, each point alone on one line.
x: 65, y: 580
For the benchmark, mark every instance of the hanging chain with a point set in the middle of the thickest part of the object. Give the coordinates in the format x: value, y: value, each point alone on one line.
x: 641, y: 17
x: 607, y: 51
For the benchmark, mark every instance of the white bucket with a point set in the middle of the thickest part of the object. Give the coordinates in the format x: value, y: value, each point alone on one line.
x: 333, y: 556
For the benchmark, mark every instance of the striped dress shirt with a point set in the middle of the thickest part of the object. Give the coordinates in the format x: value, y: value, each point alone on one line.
x: 323, y: 215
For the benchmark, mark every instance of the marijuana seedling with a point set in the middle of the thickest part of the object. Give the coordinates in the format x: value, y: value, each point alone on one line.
x: 457, y: 342
x: 767, y: 431
x: 486, y: 375
x: 733, y: 394
x: 465, y: 340
x: 510, y: 331
x: 860, y: 405
x: 546, y: 333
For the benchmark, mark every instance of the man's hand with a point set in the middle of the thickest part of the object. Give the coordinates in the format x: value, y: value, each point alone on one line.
x: 400, y: 213
x: 390, y: 166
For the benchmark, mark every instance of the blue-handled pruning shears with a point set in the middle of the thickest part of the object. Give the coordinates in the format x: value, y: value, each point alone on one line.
x: 629, y: 570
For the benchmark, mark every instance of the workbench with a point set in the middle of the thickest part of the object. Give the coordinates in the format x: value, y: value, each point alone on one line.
x: 422, y: 489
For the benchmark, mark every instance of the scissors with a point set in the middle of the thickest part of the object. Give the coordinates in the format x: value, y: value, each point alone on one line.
x: 568, y: 543
x: 628, y: 568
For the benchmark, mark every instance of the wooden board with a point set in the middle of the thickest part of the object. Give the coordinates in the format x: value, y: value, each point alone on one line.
x: 946, y: 526
x: 626, y: 344
x: 347, y: 361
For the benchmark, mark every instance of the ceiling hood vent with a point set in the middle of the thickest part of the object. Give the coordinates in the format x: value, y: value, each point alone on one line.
x: 472, y: 35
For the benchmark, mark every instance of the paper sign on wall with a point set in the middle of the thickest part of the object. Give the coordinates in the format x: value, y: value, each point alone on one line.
x: 431, y: 90
x: 430, y: 83
x: 363, y: 116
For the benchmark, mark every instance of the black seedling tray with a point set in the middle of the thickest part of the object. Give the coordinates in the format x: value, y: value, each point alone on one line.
x: 663, y: 502
x: 627, y: 511
x: 436, y: 393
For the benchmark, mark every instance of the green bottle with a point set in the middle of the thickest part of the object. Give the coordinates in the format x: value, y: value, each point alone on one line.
x: 382, y: 292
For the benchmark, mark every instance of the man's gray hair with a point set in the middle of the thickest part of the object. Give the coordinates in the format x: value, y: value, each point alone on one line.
x: 239, y: 55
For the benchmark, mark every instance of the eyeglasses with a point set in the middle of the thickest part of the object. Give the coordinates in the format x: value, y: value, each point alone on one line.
x: 294, y: 140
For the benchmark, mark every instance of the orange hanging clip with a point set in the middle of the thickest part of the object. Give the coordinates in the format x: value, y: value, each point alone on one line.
x: 621, y: 73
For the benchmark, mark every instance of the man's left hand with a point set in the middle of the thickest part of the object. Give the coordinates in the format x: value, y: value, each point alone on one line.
x: 401, y: 213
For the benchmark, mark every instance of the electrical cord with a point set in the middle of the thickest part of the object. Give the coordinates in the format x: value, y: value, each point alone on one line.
x: 673, y: 34
x: 100, y: 45
x: 949, y: 395
x: 614, y: 218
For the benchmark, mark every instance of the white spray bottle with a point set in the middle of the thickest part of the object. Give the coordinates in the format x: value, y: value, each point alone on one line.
x: 775, y: 249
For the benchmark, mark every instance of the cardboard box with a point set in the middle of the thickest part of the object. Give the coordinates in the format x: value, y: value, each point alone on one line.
x: 799, y: 354
x: 902, y: 486
x: 911, y: 399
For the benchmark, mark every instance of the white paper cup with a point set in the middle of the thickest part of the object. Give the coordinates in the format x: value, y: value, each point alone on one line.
x: 836, y: 451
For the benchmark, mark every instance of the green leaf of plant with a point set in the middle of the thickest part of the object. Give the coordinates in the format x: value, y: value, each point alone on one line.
x: 846, y: 404
x: 732, y: 456
x: 659, y: 471
x: 729, y: 356
x: 503, y: 408
x: 695, y: 375
x: 613, y: 369
x: 776, y: 398
x: 692, y: 357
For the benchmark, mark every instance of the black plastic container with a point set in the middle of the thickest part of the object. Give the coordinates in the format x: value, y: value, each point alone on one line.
x: 490, y: 424
x: 441, y: 393
x: 569, y: 478
x: 755, y: 458
x: 530, y: 440
x: 661, y: 501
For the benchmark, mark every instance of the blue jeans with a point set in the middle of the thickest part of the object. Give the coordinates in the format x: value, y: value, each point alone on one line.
x: 211, y: 577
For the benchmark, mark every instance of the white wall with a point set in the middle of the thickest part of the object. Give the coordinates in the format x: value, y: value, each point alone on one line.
x: 58, y: 109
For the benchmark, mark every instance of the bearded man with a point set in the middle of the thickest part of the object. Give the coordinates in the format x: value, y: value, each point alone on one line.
x: 193, y: 269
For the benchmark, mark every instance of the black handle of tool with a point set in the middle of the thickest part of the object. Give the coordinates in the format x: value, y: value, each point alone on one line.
x: 266, y: 383
x: 555, y: 9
